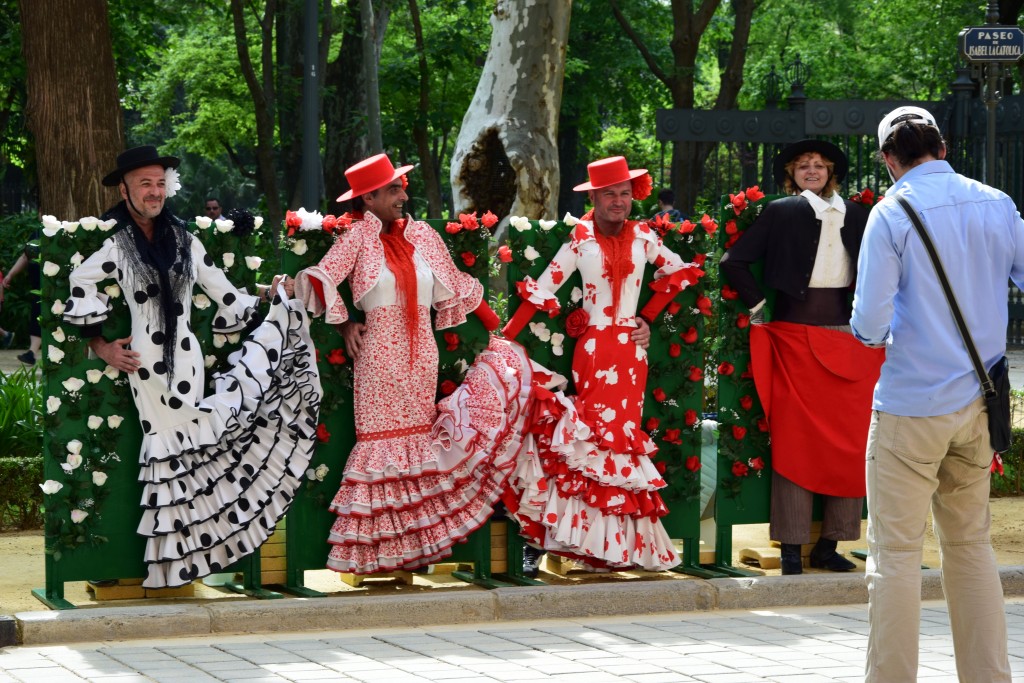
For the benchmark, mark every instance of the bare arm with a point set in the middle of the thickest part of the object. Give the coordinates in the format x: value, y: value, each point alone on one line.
x: 115, y: 353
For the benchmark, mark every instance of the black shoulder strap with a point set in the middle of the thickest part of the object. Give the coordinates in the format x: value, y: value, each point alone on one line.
x: 979, y: 368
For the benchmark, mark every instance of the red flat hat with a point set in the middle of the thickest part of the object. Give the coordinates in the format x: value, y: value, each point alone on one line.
x: 371, y: 174
x: 610, y: 171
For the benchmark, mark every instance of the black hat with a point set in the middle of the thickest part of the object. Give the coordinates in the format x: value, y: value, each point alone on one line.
x: 137, y: 157
x: 825, y: 149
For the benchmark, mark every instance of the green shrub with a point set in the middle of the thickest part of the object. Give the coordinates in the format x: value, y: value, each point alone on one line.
x: 17, y: 229
x: 21, y: 414
x: 21, y: 499
x: 1011, y: 481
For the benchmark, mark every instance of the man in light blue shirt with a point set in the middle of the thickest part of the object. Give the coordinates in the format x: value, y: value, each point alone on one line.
x: 928, y: 443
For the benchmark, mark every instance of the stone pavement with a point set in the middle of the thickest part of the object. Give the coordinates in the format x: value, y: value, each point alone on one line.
x: 787, y: 645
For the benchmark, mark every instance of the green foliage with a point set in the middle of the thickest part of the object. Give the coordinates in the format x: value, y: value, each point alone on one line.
x: 20, y: 497
x: 21, y: 414
x: 17, y: 231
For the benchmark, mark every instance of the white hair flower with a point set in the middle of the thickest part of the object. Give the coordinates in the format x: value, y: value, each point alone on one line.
x: 50, y: 269
x: 50, y: 486
x: 172, y: 181
x: 311, y: 220
x: 78, y: 516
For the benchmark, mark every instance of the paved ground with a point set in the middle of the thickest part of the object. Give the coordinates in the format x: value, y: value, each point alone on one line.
x: 795, y: 645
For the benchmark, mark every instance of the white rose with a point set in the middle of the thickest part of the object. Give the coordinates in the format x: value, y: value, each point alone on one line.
x: 321, y: 472
x: 73, y: 384
x: 219, y: 340
x: 93, y: 375
x: 74, y: 461
x: 557, y: 350
x: 541, y: 331
x: 54, y: 354
x: 99, y: 478
x: 113, y: 291
x: 50, y: 486
x: 50, y: 269
x: 107, y: 224
x: 114, y: 421
x: 52, y: 404
x: 89, y: 223
x: 229, y: 259
x: 257, y: 222
x: 253, y: 262
x: 74, y: 446
x: 51, y: 226
x: 76, y: 260
x: 209, y: 360
x: 520, y: 223
x: 300, y: 247
x: 576, y: 294
x: 69, y: 227
x: 569, y: 219
x: 531, y: 254
x: 57, y: 308
x: 311, y: 474
x: 203, y: 222
x: 58, y: 335
x: 546, y: 225
x: 557, y: 339
x: 94, y: 422
x: 111, y: 372
x: 224, y: 225
x: 201, y: 301
x: 77, y: 516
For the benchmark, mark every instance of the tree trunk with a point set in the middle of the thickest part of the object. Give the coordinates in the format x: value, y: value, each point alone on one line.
x: 420, y: 129
x: 72, y: 108
x: 506, y: 156
x: 289, y: 74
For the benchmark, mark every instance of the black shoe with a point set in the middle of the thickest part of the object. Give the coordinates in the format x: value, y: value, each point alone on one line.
x: 824, y: 556
x: 791, y: 561
x: 28, y: 358
x: 531, y: 561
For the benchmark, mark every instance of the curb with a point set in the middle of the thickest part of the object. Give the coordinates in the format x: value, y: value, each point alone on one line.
x: 451, y: 608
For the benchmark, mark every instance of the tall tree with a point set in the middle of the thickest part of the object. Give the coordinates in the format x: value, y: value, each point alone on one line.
x: 72, y: 107
x: 420, y: 130
x: 690, y: 20
x: 506, y: 156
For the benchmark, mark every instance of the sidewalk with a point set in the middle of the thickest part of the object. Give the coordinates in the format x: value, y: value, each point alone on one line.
x: 788, y: 645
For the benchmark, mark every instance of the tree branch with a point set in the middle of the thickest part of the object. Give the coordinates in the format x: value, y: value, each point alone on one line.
x: 237, y: 161
x: 652, y: 63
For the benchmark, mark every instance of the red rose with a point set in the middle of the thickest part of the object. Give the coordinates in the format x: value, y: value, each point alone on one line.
x: 336, y: 357
x: 452, y: 228
x: 742, y: 320
x: 696, y: 374
x: 693, y: 463
x: 756, y: 464
x: 762, y: 424
x: 660, y: 466
x: 659, y: 395
x: 504, y: 254
x: 652, y: 424
x: 739, y: 469
x: 576, y: 323
x: 448, y: 387
x: 488, y: 219
x: 672, y: 436
x: 739, y: 433
x: 469, y: 221
x: 746, y: 402
x: 451, y: 340
x: 291, y: 219
x: 469, y: 258
x: 729, y: 294
x: 709, y: 224
x: 686, y: 227
x: 730, y: 227
x: 674, y: 350
x: 690, y: 417
x: 754, y: 193
x: 329, y: 223
x: 739, y: 202
x: 690, y: 336
x: 704, y: 305
x: 726, y: 368
x: 674, y: 308
x: 731, y: 241
x: 322, y: 435
x: 662, y: 224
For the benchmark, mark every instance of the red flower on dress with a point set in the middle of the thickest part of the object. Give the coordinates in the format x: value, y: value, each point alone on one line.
x: 337, y: 357
x: 696, y: 374
x: 576, y: 323
x: 742, y: 320
x: 739, y: 202
x: 762, y: 424
x: 469, y: 221
x: 673, y: 436
x: 726, y: 368
x: 746, y: 402
x: 740, y: 469
x: 469, y: 258
x: 448, y: 387
x: 659, y: 395
x: 652, y: 424
x: 451, y: 340
x: 690, y: 417
x: 452, y: 228
x: 738, y: 432
x: 674, y: 350
x: 642, y: 187
x: 505, y: 254
x: 704, y: 305
x: 729, y: 294
x: 756, y: 464
x: 690, y: 336
x: 674, y: 308
x: 754, y: 193
x: 488, y: 220
x: 709, y: 224
x: 322, y: 435
x: 693, y: 463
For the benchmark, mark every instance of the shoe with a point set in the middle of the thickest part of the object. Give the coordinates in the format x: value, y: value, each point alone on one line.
x: 791, y: 561
x: 531, y: 561
x: 7, y: 340
x: 824, y: 556
x: 28, y: 358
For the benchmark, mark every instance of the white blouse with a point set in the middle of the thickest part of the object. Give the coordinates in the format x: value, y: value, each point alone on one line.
x: 385, y: 292
x: 832, y: 267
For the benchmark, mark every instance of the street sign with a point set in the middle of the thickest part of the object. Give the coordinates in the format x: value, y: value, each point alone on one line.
x: 992, y: 43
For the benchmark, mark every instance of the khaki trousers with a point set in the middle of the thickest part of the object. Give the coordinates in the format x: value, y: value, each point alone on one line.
x: 942, y: 461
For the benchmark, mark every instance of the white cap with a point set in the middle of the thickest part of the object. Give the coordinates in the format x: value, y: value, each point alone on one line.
x: 902, y: 115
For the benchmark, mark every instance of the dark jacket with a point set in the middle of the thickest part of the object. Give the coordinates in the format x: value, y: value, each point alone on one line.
x: 785, y: 236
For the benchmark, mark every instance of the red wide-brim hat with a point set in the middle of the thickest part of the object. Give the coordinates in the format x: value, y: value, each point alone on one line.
x: 371, y: 174
x: 610, y: 171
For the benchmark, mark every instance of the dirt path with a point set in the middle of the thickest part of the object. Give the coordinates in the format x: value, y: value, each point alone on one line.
x: 21, y: 560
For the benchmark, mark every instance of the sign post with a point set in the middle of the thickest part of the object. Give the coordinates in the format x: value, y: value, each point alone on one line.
x: 991, y: 50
